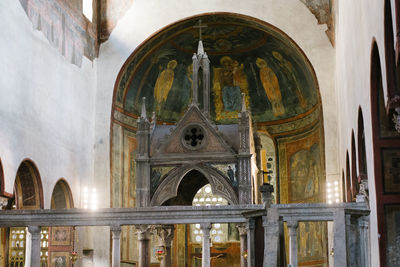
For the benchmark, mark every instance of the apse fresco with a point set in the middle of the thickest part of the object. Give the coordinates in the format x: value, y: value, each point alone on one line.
x: 244, y: 58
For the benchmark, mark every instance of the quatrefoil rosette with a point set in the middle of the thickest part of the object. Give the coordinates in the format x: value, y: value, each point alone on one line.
x: 193, y: 137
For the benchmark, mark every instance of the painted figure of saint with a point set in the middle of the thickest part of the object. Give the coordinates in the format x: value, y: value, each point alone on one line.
x: 231, y: 94
x: 229, y: 83
x: 289, y: 71
x: 271, y: 87
x: 163, y: 84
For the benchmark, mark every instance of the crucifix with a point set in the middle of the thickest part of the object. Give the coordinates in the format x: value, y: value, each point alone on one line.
x: 199, y: 26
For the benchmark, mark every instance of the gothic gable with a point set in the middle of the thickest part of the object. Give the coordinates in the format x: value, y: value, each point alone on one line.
x: 194, y: 134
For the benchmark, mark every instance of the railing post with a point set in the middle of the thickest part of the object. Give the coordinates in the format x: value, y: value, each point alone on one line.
x: 339, y: 239
x: 243, y: 244
x: 292, y: 226
x: 116, y: 245
x: 144, y: 232
x: 250, y: 243
x: 34, y: 232
x: 206, y: 257
x: 271, y: 238
x: 363, y: 223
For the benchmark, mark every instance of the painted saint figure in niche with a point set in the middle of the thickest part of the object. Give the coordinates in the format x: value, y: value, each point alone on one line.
x: 271, y: 86
x: 289, y: 71
x: 163, y: 84
x: 231, y: 175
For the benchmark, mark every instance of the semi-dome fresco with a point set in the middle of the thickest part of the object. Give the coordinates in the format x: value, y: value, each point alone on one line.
x: 246, y: 56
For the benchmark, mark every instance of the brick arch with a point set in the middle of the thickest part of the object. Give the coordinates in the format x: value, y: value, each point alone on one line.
x: 28, y: 188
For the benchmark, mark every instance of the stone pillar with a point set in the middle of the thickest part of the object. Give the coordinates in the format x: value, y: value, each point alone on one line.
x: 271, y: 238
x: 339, y: 239
x: 292, y: 226
x: 144, y: 232
x: 363, y: 223
x: 243, y: 244
x: 165, y: 235
x: 116, y: 245
x: 251, y: 225
x: 34, y: 231
x: 206, y: 257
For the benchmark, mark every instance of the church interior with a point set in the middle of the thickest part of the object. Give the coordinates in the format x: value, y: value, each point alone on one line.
x: 200, y: 133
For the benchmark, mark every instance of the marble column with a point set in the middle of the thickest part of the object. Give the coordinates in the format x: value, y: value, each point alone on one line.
x: 271, y: 238
x: 116, y: 245
x: 144, y: 232
x: 206, y: 257
x: 34, y: 231
x: 165, y: 235
x: 292, y: 226
x: 339, y: 239
x: 243, y: 244
x: 250, y: 243
x: 363, y: 223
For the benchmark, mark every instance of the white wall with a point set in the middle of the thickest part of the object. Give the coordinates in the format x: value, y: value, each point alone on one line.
x: 357, y: 23
x: 46, y: 106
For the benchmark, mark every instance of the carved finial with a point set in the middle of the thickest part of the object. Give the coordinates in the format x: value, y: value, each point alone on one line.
x: 143, y: 114
x: 244, y: 102
x: 200, y: 48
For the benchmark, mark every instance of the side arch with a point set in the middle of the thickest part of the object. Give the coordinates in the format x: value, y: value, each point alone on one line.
x: 61, y: 198
x: 169, y: 186
x: 28, y: 188
x: 1, y: 179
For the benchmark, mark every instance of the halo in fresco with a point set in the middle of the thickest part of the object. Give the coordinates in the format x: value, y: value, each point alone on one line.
x: 245, y: 57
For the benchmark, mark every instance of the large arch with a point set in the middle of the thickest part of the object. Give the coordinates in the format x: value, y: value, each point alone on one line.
x: 169, y: 186
x: 28, y: 187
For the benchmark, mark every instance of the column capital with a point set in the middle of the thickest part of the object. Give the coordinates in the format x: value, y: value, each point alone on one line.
x: 242, y: 229
x: 34, y: 229
x: 205, y: 226
x: 115, y: 228
x: 116, y: 231
x: 292, y: 226
x: 144, y: 231
x: 165, y: 234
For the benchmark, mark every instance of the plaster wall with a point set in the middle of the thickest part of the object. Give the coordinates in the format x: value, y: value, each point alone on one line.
x: 46, y: 107
x: 145, y: 18
x: 358, y: 23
